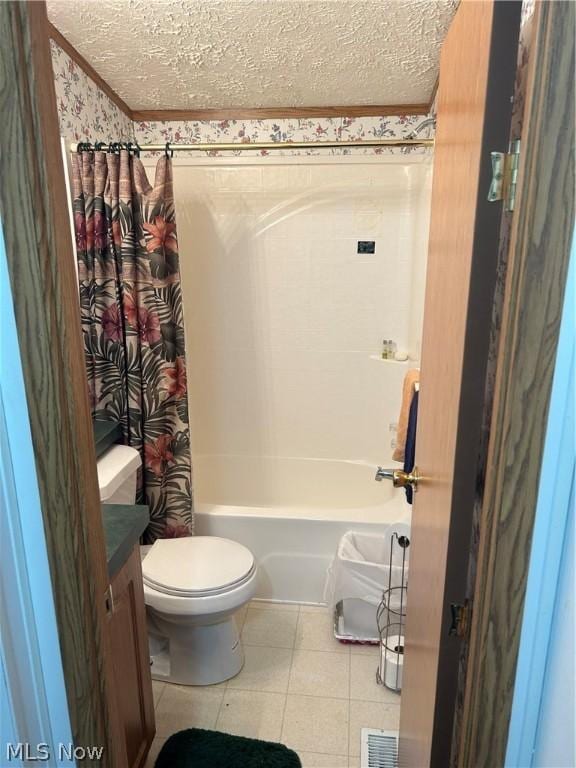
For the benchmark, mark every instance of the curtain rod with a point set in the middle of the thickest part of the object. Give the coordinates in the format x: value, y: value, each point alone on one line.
x: 254, y: 146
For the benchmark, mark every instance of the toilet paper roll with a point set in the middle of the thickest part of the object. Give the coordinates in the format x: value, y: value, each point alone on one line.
x: 394, y: 662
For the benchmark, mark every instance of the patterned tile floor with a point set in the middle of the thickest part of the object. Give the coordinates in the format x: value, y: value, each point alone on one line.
x: 298, y: 686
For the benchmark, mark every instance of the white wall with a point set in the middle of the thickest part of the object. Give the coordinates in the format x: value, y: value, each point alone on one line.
x: 282, y: 314
x: 555, y: 741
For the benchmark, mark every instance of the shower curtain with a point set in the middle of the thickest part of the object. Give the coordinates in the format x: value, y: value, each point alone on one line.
x: 132, y: 323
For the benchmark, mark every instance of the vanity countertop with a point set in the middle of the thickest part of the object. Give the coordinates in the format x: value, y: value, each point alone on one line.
x: 106, y: 433
x: 123, y: 526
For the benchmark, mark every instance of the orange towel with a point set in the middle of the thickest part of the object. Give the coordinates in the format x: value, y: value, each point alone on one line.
x: 410, y: 380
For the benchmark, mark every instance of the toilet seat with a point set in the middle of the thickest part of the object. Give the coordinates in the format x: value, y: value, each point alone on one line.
x: 197, y: 566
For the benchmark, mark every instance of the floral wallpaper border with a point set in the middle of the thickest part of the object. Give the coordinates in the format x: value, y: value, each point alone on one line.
x: 87, y: 114
x: 288, y: 129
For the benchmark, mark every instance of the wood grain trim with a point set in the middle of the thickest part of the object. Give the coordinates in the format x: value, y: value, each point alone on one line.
x: 59, y: 38
x: 277, y: 113
x: 433, y: 95
x: 34, y: 213
x: 539, y: 255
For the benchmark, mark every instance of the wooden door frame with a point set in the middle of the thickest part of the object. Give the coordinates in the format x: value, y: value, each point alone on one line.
x: 34, y: 213
x: 539, y: 254
x: 470, y: 458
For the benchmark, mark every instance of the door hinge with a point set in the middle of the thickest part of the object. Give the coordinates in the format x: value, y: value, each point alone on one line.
x: 460, y: 614
x: 505, y: 175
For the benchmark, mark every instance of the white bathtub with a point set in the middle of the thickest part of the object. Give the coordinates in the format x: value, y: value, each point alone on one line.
x: 291, y: 514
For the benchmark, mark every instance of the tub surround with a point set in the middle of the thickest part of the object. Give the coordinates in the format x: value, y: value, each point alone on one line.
x: 283, y: 314
x: 123, y: 526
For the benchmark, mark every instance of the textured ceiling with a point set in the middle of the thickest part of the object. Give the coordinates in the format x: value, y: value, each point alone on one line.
x: 200, y: 54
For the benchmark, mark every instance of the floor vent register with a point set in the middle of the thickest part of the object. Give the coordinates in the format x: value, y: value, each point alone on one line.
x: 379, y: 748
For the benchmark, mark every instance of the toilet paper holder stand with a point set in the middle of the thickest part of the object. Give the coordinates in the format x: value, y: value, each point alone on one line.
x: 391, y: 615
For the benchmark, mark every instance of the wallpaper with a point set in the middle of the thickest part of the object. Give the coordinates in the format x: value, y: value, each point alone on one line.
x: 86, y: 113
x: 288, y: 129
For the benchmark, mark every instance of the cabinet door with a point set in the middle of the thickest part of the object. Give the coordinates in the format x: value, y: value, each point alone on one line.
x: 129, y: 640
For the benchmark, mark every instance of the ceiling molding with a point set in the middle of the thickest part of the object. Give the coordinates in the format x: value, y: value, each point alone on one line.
x: 277, y: 113
x: 59, y: 38
x: 433, y: 94
x: 240, y: 113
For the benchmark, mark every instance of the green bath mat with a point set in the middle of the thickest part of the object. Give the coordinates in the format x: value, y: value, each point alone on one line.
x: 196, y: 748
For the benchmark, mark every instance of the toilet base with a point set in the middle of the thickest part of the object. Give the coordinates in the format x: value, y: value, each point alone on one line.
x: 200, y: 655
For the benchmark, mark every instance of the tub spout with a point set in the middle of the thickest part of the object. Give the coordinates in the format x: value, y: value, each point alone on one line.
x: 384, y: 474
x: 400, y: 479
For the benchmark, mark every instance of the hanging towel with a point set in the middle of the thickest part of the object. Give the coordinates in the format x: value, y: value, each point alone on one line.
x: 410, y: 380
x: 410, y: 451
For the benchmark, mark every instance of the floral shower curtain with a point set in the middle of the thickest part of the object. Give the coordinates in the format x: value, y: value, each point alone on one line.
x: 132, y: 322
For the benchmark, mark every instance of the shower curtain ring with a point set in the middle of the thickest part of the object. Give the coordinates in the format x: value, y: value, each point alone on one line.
x: 168, y: 149
x: 137, y: 150
x: 98, y: 146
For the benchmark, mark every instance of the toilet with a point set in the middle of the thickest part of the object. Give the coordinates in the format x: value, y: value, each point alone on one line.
x: 193, y: 586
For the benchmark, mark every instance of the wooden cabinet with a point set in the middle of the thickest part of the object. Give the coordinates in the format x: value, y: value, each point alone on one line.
x: 129, y: 641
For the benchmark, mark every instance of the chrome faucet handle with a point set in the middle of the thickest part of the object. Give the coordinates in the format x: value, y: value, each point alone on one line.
x: 384, y: 474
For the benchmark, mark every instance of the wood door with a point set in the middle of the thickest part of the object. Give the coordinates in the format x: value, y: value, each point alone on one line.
x: 129, y: 637
x: 477, y: 69
x: 34, y: 213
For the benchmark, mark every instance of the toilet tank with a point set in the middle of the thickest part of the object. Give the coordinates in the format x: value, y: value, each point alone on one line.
x: 117, y: 471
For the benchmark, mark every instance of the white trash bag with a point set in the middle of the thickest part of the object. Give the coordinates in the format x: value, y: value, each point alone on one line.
x: 357, y: 577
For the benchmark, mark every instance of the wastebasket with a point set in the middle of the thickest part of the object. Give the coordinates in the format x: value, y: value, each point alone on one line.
x: 356, y: 579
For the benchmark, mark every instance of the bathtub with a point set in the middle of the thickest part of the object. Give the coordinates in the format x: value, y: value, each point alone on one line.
x: 291, y: 514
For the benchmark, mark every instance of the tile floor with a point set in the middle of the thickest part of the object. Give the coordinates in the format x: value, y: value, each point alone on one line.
x: 298, y: 686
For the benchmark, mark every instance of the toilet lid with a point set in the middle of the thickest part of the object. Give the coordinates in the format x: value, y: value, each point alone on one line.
x: 196, y: 565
